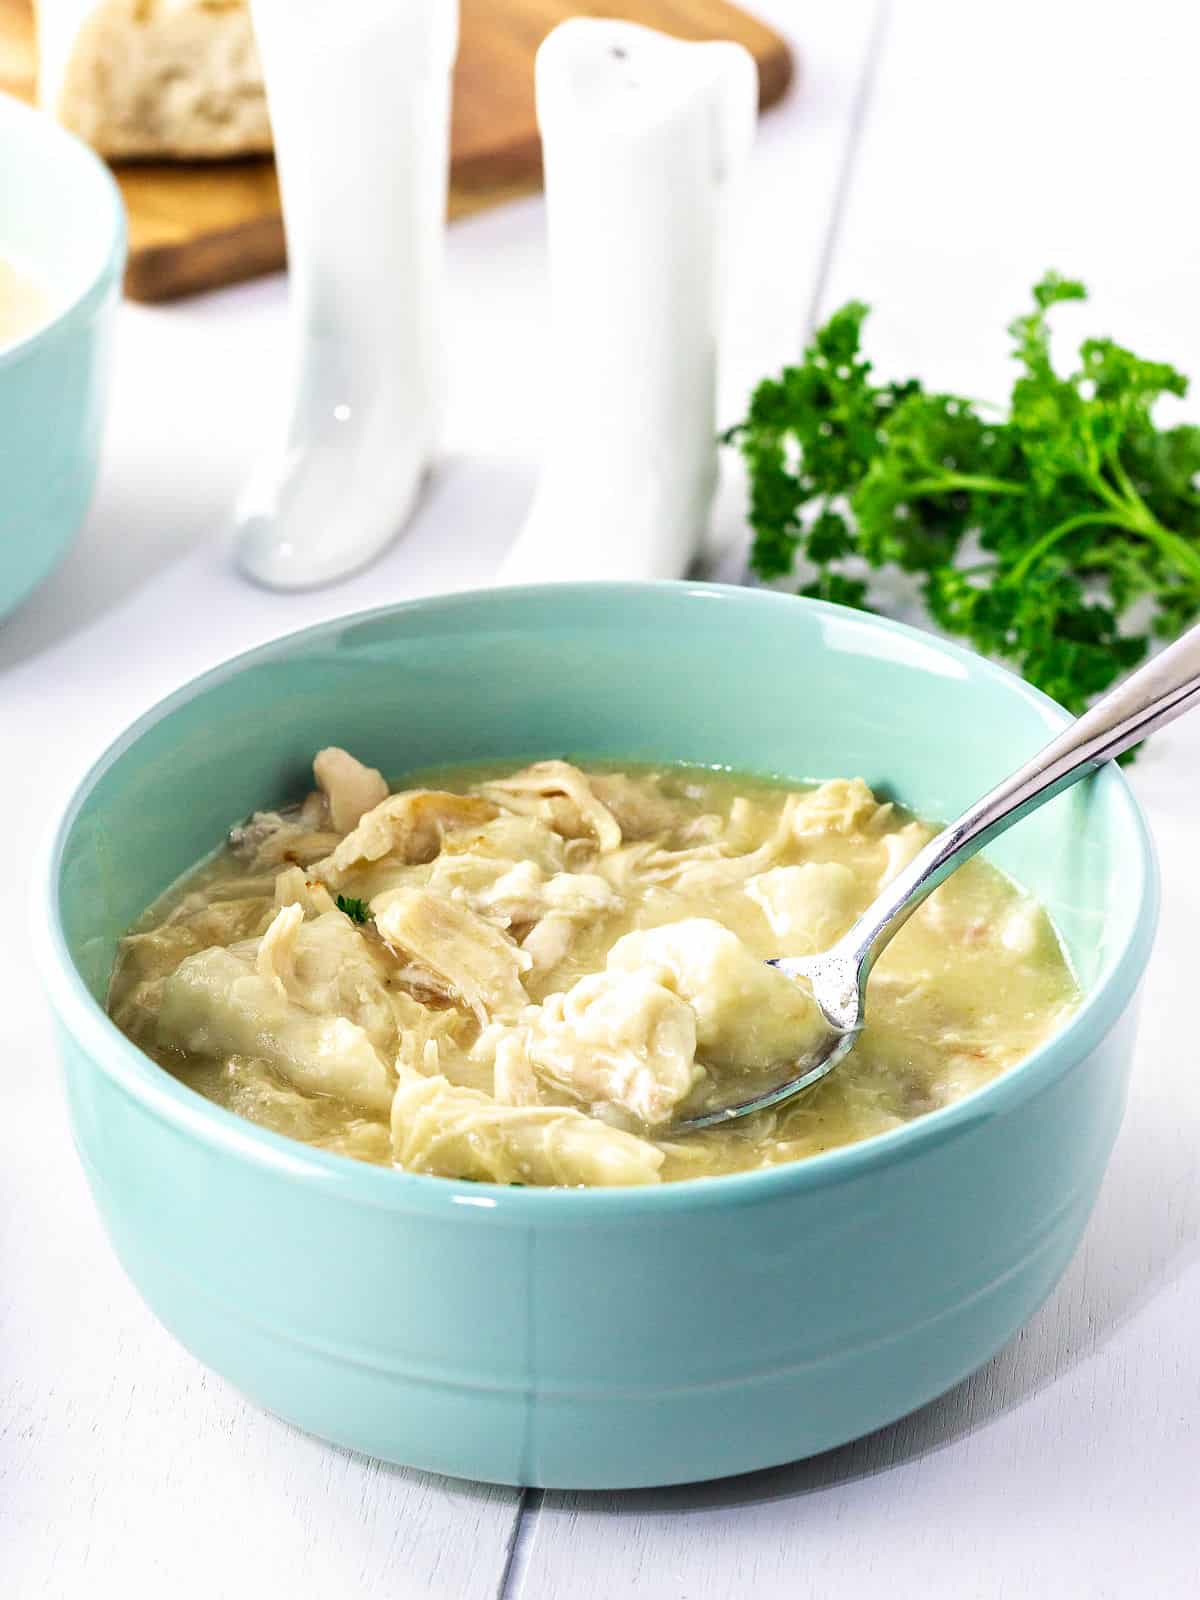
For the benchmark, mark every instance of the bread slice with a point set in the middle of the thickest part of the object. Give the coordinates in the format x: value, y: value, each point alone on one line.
x: 154, y: 78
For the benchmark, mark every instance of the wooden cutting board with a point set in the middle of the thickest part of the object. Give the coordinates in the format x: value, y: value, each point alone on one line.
x: 198, y: 225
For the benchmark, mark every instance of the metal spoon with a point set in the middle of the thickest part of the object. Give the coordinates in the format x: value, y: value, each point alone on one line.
x: 1156, y: 694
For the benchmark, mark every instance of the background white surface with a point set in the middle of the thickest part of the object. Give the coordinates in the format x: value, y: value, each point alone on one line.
x: 933, y: 159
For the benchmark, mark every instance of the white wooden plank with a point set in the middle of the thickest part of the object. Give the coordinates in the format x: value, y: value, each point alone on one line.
x: 1001, y: 140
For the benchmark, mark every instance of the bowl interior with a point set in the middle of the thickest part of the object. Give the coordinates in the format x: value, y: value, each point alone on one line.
x: 687, y: 673
x: 60, y: 212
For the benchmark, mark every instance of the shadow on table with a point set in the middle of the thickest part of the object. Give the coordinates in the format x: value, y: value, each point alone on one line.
x: 466, y: 517
x: 122, y: 546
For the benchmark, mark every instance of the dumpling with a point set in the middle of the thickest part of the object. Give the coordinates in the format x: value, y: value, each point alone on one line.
x: 808, y: 906
x: 160, y: 950
x: 145, y: 960
x: 440, y: 1128
x: 843, y: 805
x: 901, y: 848
x: 618, y: 1037
x: 288, y: 998
x: 748, y: 1014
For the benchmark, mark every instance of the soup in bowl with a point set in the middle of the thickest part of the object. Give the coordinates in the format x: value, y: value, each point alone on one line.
x: 540, y: 976
x: 537, y: 1326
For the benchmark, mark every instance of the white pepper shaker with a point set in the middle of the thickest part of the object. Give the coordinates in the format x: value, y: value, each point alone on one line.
x: 359, y: 97
x: 643, y: 137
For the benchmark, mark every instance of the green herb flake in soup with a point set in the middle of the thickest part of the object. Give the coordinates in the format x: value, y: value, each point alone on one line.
x: 529, y: 977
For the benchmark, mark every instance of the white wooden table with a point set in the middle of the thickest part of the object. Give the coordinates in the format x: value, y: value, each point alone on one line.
x: 935, y: 159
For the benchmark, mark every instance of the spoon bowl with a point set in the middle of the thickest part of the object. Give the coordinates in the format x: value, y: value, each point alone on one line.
x: 833, y: 979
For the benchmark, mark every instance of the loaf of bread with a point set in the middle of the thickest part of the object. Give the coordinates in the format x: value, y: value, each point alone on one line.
x: 154, y: 78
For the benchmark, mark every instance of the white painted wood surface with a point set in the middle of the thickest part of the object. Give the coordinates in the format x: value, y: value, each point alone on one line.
x: 995, y: 141
x: 125, y: 1469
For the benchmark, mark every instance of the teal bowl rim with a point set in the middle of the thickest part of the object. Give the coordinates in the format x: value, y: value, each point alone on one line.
x: 358, y: 1182
x: 79, y: 309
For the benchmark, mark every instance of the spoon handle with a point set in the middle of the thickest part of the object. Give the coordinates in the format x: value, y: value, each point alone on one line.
x: 1155, y: 694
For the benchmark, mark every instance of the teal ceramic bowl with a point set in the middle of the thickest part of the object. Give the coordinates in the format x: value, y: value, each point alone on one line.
x: 604, y: 1337
x: 62, y: 222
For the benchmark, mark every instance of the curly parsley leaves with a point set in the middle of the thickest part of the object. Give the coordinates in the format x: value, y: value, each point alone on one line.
x: 1064, y: 539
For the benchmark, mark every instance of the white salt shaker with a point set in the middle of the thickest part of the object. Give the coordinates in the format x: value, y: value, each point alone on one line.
x: 643, y: 138
x: 359, y: 97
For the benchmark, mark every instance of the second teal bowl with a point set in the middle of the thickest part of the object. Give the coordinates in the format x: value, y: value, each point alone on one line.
x: 613, y: 1338
x: 61, y: 219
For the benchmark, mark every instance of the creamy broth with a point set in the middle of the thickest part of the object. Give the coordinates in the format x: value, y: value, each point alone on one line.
x: 24, y: 304
x: 529, y: 977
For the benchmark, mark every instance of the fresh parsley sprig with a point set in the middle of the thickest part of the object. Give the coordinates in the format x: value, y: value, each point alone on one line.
x: 1063, y: 538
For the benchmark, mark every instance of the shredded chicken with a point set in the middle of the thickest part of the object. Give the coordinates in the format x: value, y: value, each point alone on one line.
x: 525, y: 894
x: 548, y: 943
x: 513, y: 1079
x: 724, y: 861
x: 270, y: 841
x: 480, y: 963
x: 350, y: 789
x: 408, y: 827
x: 558, y: 793
x: 509, y: 838
x: 294, y: 887
x: 640, y: 812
